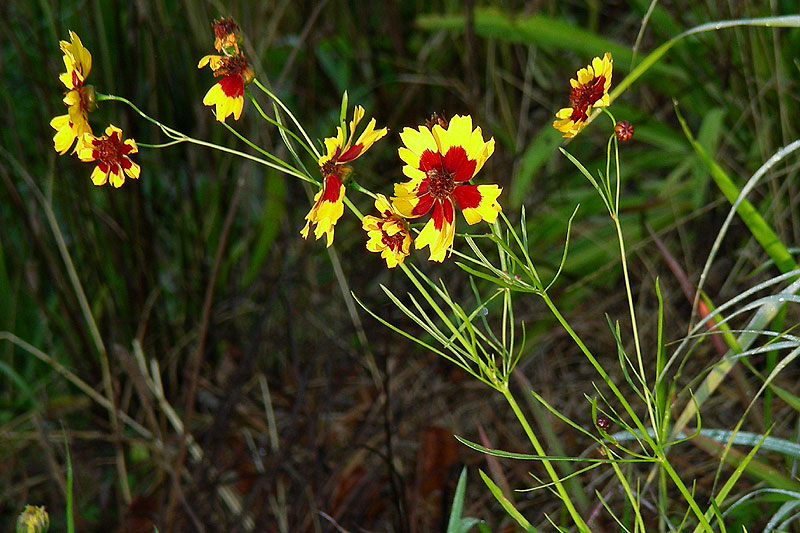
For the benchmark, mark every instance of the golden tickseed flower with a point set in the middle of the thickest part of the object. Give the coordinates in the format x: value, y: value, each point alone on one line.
x: 226, y: 36
x: 388, y: 234
x: 623, y: 130
x: 228, y: 93
x: 329, y: 201
x: 33, y: 520
x: 440, y: 161
x: 111, y: 153
x: 80, y: 99
x: 589, y: 91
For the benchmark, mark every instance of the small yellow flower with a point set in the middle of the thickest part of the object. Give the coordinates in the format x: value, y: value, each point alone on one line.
x: 329, y: 201
x: 589, y: 91
x: 388, y: 234
x: 111, y: 153
x: 441, y: 160
x: 80, y: 98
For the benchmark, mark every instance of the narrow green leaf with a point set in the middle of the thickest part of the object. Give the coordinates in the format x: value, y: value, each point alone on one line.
x: 754, y: 221
x: 506, y: 504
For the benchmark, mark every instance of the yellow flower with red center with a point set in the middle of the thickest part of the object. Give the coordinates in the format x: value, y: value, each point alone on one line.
x: 388, y: 234
x: 441, y: 160
x: 589, y: 91
x: 80, y: 98
x: 111, y: 153
x: 329, y: 201
x: 227, y: 95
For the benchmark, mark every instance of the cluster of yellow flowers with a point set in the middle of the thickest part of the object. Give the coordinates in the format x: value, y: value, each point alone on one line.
x: 110, y: 151
x: 440, y: 157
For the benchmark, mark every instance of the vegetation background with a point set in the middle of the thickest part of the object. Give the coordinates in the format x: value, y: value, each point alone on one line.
x: 310, y: 411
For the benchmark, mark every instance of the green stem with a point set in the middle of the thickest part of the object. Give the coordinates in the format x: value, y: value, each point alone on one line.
x: 260, y: 150
x: 635, y: 329
x: 278, y: 125
x: 180, y: 137
x: 598, y: 367
x: 665, y: 464
x: 291, y: 116
x: 548, y: 466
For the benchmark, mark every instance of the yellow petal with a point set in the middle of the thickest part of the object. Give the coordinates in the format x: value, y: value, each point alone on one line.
x: 99, y: 177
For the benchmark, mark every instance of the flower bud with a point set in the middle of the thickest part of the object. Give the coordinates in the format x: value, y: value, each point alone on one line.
x: 623, y: 130
x: 89, y: 96
x: 33, y: 520
x: 603, y: 422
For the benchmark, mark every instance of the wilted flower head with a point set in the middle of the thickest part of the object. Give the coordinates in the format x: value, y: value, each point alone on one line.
x: 588, y: 91
x: 226, y: 36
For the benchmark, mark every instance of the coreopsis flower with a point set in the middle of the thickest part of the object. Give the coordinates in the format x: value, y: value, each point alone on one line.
x: 79, y: 99
x: 440, y: 162
x: 388, y: 234
x: 227, y: 95
x: 226, y: 36
x: 589, y: 91
x: 111, y: 153
x: 329, y: 201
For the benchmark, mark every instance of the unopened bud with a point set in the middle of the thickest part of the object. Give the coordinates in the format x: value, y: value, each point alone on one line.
x: 33, y: 520
x: 623, y: 130
x: 89, y: 96
x: 603, y: 422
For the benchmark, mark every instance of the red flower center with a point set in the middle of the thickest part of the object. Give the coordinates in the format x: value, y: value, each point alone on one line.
x: 582, y: 96
x: 441, y: 183
x: 393, y: 242
x: 111, y: 150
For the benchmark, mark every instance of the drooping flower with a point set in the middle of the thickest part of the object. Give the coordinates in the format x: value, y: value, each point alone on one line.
x: 388, y: 234
x: 227, y: 95
x: 440, y: 162
x: 226, y: 36
x: 79, y: 99
x: 329, y: 201
x: 111, y: 153
x: 589, y: 91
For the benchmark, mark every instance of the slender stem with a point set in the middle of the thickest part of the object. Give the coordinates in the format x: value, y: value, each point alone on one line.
x: 665, y: 464
x: 278, y: 125
x: 291, y: 116
x: 576, y: 517
x: 180, y: 137
x: 260, y: 150
x: 634, y: 327
x: 598, y: 367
